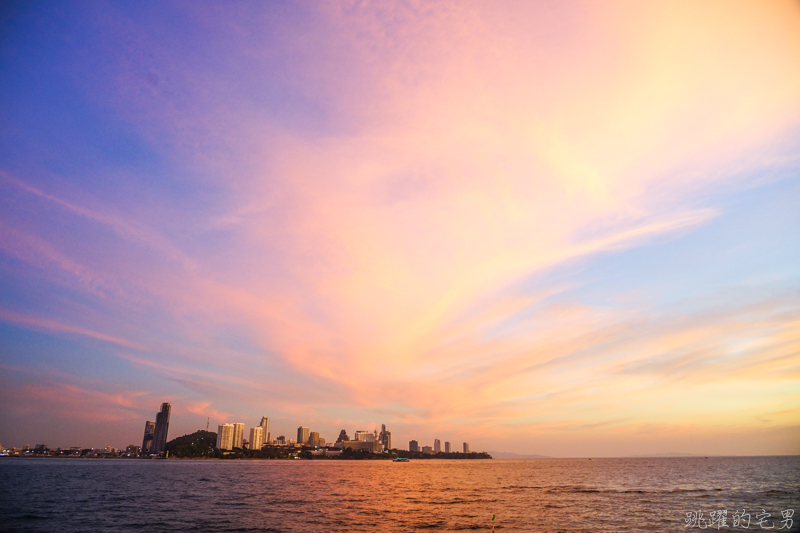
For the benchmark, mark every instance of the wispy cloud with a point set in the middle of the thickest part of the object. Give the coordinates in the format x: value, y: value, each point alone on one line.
x: 399, y: 209
x: 38, y: 323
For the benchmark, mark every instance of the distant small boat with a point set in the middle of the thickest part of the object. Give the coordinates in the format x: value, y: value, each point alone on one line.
x: 400, y: 460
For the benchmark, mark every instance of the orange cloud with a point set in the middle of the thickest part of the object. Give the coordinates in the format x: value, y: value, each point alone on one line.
x: 468, y: 149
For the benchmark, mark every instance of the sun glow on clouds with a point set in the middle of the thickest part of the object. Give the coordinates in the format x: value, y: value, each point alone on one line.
x: 365, y: 196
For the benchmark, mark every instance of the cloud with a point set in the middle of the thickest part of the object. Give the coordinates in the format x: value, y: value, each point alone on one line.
x: 44, y: 257
x: 71, y: 402
x: 50, y: 325
x: 358, y: 194
x: 203, y: 409
x: 127, y: 230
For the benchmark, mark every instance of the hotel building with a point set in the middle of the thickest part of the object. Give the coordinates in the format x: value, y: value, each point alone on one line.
x: 162, y: 426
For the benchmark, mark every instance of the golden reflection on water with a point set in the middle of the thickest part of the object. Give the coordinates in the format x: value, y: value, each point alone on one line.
x: 602, y: 495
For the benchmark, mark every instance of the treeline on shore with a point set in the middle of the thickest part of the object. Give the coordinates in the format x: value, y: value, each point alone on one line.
x: 203, y: 444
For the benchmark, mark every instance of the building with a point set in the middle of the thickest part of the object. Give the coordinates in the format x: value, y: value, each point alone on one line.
x: 162, y: 427
x: 265, y: 430
x: 225, y: 437
x: 281, y: 440
x: 256, y: 437
x: 302, y: 435
x: 321, y: 442
x: 238, y: 435
x: 413, y: 446
x: 385, y: 437
x: 427, y: 449
x: 342, y: 436
x: 466, y: 447
x: 437, y: 446
x: 147, y: 442
x: 365, y: 436
x: 447, y: 447
x: 313, y: 439
x: 327, y: 453
x: 373, y: 445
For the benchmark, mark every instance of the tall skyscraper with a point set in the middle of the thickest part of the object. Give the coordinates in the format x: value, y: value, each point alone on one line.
x: 238, y: 435
x: 313, y: 439
x: 447, y: 447
x: 256, y: 438
x: 413, y: 446
x: 302, y: 435
x: 225, y: 437
x: 437, y: 445
x: 466, y: 447
x: 147, y: 442
x: 385, y: 437
x: 162, y: 426
x: 265, y: 434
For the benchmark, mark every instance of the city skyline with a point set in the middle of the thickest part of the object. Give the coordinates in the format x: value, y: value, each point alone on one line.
x: 566, y: 229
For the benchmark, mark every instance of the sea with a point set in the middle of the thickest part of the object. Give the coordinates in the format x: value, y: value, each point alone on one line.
x: 570, y: 495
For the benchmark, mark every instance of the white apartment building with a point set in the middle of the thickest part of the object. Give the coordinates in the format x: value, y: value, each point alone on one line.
x: 256, y: 438
x: 238, y: 435
x: 225, y: 437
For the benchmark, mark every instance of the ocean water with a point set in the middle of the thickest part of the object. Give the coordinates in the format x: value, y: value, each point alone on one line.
x: 599, y: 495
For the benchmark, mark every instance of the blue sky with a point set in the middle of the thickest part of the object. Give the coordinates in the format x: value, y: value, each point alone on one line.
x: 553, y: 229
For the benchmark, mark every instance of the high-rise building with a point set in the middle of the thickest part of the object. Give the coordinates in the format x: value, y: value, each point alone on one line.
x: 466, y: 447
x: 447, y: 447
x: 342, y: 436
x: 385, y: 437
x: 302, y: 435
x: 162, y: 426
x: 362, y: 436
x: 281, y: 440
x: 313, y: 439
x: 413, y: 446
x: 238, y: 435
x: 265, y: 433
x: 225, y: 437
x: 147, y: 442
x: 256, y: 438
x: 321, y: 442
x: 427, y: 449
x: 437, y: 445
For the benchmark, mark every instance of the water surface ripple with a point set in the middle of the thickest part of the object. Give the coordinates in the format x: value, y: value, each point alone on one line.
x: 599, y: 495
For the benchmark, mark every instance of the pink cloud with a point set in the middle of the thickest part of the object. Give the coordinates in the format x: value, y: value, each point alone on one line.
x: 372, y: 257
x: 50, y: 325
x: 72, y: 402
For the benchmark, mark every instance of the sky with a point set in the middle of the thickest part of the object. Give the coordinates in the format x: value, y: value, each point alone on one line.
x: 556, y: 228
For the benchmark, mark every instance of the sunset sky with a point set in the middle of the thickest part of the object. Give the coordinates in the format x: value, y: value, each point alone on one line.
x: 558, y: 228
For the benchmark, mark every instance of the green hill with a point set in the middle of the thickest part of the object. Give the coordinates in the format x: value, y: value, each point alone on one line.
x: 198, y: 444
